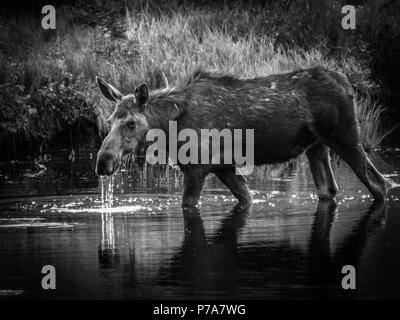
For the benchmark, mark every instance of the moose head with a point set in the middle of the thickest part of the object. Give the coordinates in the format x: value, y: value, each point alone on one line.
x: 128, y: 126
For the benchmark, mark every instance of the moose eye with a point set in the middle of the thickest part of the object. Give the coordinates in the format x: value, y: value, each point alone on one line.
x: 131, y: 125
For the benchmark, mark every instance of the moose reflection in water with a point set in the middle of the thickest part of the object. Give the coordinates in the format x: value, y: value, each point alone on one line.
x: 218, y: 263
x: 310, y: 110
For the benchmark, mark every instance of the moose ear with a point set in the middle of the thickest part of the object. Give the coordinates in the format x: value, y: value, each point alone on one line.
x: 142, y: 94
x: 108, y: 90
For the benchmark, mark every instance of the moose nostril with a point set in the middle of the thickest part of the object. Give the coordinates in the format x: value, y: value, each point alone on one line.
x: 105, y: 164
x: 105, y: 168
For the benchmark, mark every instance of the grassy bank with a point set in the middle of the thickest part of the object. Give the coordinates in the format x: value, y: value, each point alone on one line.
x: 48, y: 79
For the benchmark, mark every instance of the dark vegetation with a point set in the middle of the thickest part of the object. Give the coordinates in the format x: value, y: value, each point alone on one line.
x: 47, y: 87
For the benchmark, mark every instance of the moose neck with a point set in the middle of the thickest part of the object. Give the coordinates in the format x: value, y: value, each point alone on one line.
x: 161, y: 109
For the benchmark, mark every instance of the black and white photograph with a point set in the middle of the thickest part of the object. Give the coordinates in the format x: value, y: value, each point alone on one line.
x: 213, y: 150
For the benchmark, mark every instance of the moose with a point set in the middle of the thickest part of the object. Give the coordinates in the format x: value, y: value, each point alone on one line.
x: 309, y: 111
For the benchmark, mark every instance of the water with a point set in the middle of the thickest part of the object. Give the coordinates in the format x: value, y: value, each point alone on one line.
x: 129, y: 239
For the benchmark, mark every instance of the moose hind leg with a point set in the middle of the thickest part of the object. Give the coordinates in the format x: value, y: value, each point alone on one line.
x: 318, y: 157
x: 237, y: 185
x: 358, y: 160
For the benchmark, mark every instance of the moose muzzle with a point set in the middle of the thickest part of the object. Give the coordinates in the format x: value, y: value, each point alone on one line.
x: 107, y: 164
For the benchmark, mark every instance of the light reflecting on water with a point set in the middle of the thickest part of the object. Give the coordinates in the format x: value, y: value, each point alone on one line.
x: 134, y: 242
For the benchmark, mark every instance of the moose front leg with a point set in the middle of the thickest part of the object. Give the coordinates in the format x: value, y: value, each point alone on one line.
x: 192, y: 185
x: 238, y: 186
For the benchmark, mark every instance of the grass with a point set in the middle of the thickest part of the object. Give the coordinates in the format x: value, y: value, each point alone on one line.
x: 48, y: 81
x: 370, y: 116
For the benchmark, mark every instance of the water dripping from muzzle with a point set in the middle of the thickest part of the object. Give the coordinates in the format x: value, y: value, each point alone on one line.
x: 107, y: 191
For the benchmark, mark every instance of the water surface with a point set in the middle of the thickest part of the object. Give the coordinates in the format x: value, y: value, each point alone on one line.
x: 141, y: 246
